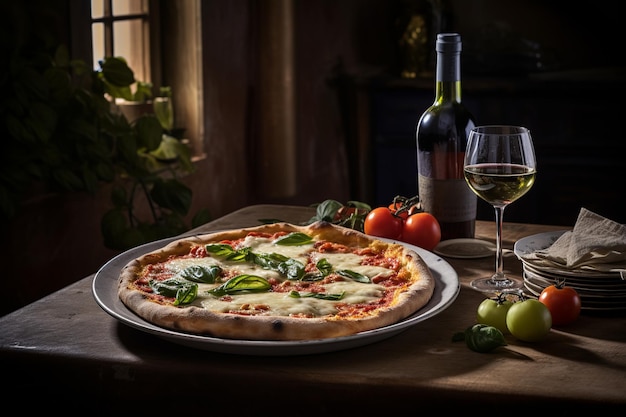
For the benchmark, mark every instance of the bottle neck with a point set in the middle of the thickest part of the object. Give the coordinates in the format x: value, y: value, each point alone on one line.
x: 448, y: 78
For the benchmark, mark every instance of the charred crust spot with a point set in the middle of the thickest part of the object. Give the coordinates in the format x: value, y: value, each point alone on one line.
x: 277, y: 326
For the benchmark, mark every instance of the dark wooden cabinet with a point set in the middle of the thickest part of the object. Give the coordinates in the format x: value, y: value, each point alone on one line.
x: 579, y: 134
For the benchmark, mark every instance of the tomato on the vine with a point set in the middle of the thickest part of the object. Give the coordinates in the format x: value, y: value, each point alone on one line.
x: 404, y: 220
x: 400, y: 209
x: 344, y: 212
x: 563, y: 303
x: 493, y: 311
x: 421, y: 229
x: 382, y: 222
x: 529, y: 320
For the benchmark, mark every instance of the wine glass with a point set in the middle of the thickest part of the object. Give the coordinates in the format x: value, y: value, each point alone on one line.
x: 499, y: 167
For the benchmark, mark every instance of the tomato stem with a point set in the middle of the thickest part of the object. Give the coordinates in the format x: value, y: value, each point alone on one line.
x: 516, y: 293
x: 403, y: 204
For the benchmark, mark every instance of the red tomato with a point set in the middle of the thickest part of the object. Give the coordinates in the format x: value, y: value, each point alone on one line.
x: 382, y: 222
x: 344, y: 212
x: 563, y: 303
x: 422, y: 229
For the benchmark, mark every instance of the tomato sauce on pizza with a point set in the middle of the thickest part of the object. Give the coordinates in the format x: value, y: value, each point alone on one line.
x: 277, y: 282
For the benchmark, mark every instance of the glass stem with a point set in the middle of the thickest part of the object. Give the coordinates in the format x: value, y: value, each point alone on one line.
x: 499, y: 275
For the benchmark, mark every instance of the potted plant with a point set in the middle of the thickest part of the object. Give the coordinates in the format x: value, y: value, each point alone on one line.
x: 65, y: 135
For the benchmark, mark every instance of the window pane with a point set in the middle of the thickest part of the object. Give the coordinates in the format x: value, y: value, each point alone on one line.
x: 129, y: 42
x: 121, y: 7
x: 97, y: 33
x: 97, y: 8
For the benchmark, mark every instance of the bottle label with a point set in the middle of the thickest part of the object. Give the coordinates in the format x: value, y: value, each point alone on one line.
x: 449, y: 200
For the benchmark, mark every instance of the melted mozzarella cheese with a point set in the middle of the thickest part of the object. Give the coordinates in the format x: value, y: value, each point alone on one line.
x: 274, y: 303
x: 178, y: 264
x: 282, y: 304
x: 265, y: 245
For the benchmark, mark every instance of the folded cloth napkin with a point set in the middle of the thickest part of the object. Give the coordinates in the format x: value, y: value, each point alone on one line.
x: 595, y: 244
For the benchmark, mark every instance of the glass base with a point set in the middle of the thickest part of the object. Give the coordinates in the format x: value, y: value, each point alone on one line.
x: 495, y: 285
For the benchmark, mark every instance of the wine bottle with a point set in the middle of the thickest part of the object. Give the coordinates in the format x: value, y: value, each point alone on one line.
x: 441, y: 136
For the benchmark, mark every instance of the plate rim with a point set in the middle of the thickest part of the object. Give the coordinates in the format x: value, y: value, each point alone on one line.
x: 448, y: 242
x: 585, y: 306
x: 104, y: 291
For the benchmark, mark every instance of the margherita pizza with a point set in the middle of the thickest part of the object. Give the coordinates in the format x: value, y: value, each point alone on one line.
x: 277, y: 282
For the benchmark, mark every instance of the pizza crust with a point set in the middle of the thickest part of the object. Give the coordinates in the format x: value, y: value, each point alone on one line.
x: 197, y: 320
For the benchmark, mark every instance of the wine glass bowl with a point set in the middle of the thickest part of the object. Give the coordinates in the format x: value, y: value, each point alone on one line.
x: 499, y: 167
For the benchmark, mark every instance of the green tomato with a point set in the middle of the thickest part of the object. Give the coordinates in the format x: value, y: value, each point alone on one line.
x: 529, y: 320
x: 492, y: 312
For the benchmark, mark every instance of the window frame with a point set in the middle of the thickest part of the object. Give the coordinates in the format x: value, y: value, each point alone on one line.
x: 82, y: 37
x: 182, y: 79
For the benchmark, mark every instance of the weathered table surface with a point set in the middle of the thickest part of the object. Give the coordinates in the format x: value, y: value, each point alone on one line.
x: 72, y: 354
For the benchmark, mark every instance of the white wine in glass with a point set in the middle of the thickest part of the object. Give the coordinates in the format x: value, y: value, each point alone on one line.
x: 500, y: 167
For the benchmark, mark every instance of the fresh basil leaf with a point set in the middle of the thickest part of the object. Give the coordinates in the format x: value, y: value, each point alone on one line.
x: 293, y: 239
x: 242, y: 255
x: 359, y: 205
x: 227, y: 252
x: 483, y: 338
x: 219, y: 249
x: 184, y: 291
x: 324, y: 266
x: 199, y: 273
x: 312, y: 276
x: 269, y: 260
x: 326, y: 211
x: 318, y: 295
x: 355, y: 276
x: 241, y: 284
x: 168, y: 287
x: 186, y: 294
x: 270, y: 221
x: 291, y: 268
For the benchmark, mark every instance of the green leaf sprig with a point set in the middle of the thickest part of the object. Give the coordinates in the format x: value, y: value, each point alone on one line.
x: 355, y: 276
x: 318, y: 295
x: 294, y: 239
x: 288, y: 267
x: 244, y: 283
x: 182, y: 290
x: 227, y: 252
x: 351, y: 215
x: 200, y: 273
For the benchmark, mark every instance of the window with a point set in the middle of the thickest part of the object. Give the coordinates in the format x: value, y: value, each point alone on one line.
x: 122, y: 28
x: 132, y: 29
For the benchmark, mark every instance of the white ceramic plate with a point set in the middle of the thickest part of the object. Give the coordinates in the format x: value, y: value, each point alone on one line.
x: 104, y: 288
x: 609, y: 290
x: 530, y: 244
x: 465, y: 248
x: 587, y: 303
x: 611, y: 283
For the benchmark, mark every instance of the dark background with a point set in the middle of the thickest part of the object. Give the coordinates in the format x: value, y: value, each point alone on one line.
x: 555, y: 67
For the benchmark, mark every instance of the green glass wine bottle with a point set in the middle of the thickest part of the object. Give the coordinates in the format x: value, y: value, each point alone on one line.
x: 441, y: 137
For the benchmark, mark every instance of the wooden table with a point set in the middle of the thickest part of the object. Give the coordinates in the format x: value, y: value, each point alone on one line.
x: 65, y: 353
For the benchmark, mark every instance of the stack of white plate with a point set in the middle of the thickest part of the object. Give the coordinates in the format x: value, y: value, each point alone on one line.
x: 599, y: 291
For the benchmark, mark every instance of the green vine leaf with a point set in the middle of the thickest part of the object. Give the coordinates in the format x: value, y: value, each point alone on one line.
x: 149, y: 132
x: 172, y: 194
